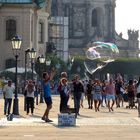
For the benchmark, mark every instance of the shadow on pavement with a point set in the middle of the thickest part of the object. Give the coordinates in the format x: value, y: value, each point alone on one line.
x: 18, y: 116
x: 84, y: 116
x: 114, y: 112
x: 36, y: 116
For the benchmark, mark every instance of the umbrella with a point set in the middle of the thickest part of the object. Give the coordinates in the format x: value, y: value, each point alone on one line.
x: 19, y: 70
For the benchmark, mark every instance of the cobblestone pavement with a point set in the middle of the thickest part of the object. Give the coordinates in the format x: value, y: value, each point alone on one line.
x: 79, y: 122
x: 121, y: 124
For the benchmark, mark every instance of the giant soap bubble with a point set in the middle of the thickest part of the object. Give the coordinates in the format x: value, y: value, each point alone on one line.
x: 92, y: 54
x: 102, y: 51
x: 94, y: 67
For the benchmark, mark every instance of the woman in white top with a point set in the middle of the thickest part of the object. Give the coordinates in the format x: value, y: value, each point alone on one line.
x: 30, y: 89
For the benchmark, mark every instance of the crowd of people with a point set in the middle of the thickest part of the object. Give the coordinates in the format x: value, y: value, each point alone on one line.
x: 98, y: 93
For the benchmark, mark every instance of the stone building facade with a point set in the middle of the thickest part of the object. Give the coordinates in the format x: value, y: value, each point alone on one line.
x: 29, y: 20
x: 94, y: 20
x: 88, y: 20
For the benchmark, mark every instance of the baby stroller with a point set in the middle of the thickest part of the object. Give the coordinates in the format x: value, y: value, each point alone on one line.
x: 131, y: 101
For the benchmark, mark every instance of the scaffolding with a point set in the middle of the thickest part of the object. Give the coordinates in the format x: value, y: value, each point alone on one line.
x: 58, y: 30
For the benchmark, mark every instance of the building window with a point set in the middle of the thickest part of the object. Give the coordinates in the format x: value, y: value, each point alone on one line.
x: 40, y: 32
x: 9, y: 63
x: 94, y: 18
x: 10, y: 29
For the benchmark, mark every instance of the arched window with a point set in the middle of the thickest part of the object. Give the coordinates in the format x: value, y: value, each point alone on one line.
x: 10, y: 29
x: 9, y: 63
x: 94, y: 18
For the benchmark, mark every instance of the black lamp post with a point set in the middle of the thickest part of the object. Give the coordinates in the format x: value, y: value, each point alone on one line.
x: 41, y: 61
x: 16, y: 44
x: 25, y: 76
x: 32, y: 54
x: 26, y: 53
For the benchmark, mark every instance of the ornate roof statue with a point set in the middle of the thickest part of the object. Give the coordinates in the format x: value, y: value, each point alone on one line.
x: 133, y: 35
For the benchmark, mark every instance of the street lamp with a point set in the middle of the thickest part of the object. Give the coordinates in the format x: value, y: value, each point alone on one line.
x: 41, y: 61
x: 48, y: 62
x: 25, y: 76
x: 32, y: 55
x: 16, y: 44
x: 26, y: 53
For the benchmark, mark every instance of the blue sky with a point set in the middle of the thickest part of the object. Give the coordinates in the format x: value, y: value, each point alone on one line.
x: 127, y: 16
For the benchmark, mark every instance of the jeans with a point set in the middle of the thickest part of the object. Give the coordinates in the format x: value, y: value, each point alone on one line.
x: 7, y: 105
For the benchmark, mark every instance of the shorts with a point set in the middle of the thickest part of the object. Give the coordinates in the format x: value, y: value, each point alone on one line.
x: 48, y: 100
x: 104, y: 96
x: 97, y: 96
x: 110, y: 97
x: 82, y: 96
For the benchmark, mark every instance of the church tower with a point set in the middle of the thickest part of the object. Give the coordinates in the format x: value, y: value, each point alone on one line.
x: 89, y: 20
x: 93, y: 20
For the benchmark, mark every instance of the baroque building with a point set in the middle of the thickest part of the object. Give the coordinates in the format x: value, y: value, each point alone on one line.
x: 94, y: 20
x: 29, y: 20
x: 69, y: 24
